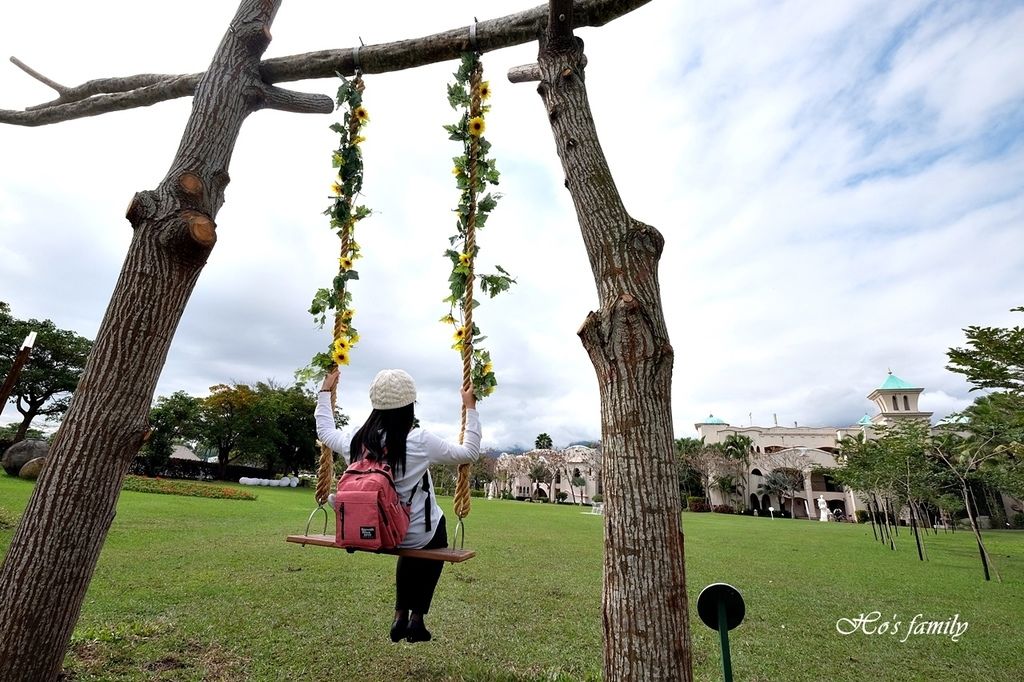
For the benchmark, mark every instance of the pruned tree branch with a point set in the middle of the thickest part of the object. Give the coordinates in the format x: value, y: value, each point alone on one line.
x: 296, y: 102
x: 531, y: 72
x: 104, y: 95
x: 61, y: 89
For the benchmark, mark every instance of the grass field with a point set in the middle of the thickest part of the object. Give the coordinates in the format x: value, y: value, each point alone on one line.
x: 200, y: 589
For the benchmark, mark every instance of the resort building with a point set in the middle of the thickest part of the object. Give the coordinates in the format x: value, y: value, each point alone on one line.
x: 544, y: 474
x: 800, y: 449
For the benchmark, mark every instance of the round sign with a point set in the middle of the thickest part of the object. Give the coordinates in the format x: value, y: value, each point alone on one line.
x: 709, y: 599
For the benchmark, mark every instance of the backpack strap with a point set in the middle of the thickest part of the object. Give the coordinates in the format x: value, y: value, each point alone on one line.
x: 426, y: 505
x: 425, y: 482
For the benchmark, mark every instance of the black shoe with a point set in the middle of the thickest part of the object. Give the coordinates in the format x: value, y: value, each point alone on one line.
x: 399, y: 629
x: 417, y: 632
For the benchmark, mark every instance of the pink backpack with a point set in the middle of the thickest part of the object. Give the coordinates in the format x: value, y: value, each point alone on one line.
x: 370, y: 516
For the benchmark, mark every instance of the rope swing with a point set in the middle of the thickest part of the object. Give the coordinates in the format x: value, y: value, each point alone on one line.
x: 344, y: 214
x: 473, y: 171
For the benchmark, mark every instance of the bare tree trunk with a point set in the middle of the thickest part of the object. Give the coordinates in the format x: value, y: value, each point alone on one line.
x: 26, y: 420
x: 871, y: 517
x: 52, y: 557
x: 917, y: 536
x: 986, y: 560
x: 628, y: 343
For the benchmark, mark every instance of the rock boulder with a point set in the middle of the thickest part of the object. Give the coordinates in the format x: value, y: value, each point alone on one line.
x: 20, y: 453
x: 32, y: 469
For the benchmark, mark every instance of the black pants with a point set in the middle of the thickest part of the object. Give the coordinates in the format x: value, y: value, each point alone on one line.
x: 416, y: 579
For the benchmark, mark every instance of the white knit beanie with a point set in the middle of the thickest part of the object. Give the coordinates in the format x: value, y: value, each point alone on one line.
x: 392, y: 388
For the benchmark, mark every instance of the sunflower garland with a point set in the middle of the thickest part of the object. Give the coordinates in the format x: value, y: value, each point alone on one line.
x: 473, y: 172
x: 344, y: 214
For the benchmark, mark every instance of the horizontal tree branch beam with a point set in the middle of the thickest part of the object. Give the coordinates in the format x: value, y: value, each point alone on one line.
x: 117, y: 94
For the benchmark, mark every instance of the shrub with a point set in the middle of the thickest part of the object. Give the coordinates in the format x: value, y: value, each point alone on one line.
x: 476, y: 493
x: 691, y: 501
x: 863, y: 516
x: 198, y: 471
x: 597, y: 498
x: 163, y: 486
x: 723, y: 509
x: 1018, y: 520
x: 561, y: 496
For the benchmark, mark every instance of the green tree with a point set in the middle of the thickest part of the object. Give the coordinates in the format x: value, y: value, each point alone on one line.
x: 172, y: 419
x: 285, y: 430
x: 9, y: 431
x: 965, y: 458
x: 913, y: 478
x: 539, y: 472
x: 775, y: 483
x: 226, y: 423
x: 46, y: 382
x: 689, y: 478
x: 993, y: 357
x: 738, y: 450
x: 784, y: 482
x: 543, y: 442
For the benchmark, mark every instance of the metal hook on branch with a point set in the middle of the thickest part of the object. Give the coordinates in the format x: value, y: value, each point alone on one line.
x: 473, y: 44
x: 356, y: 66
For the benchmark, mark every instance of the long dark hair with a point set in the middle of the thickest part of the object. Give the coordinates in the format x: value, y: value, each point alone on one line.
x: 383, y: 436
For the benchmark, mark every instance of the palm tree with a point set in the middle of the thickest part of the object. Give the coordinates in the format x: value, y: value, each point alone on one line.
x: 775, y: 483
x: 727, y: 485
x: 739, y: 448
x: 539, y: 473
x: 543, y: 442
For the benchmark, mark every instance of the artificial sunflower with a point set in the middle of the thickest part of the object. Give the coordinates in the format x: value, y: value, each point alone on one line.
x: 337, y: 189
x: 342, y: 345
x: 359, y: 139
x: 447, y: 319
x: 464, y: 258
x: 484, y: 90
x: 345, y: 263
x: 476, y: 126
x: 348, y: 314
x: 340, y: 358
x: 459, y: 335
x: 488, y: 368
x: 362, y: 115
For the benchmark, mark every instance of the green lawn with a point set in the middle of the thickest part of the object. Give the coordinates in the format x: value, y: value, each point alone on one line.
x: 200, y: 589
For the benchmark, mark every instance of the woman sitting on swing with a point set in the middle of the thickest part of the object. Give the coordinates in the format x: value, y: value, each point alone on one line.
x: 388, y: 436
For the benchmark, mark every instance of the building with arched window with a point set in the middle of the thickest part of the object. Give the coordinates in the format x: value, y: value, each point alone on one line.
x: 802, y: 451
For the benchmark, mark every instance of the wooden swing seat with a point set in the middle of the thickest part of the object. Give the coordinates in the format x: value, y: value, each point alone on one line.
x: 444, y: 554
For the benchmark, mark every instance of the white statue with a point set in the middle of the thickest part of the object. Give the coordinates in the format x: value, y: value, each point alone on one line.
x: 492, y: 490
x: 822, y: 509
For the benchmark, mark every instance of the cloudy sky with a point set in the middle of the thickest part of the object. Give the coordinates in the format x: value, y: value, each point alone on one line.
x: 839, y: 185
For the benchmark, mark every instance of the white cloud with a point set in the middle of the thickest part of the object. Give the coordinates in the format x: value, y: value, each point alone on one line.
x: 822, y: 172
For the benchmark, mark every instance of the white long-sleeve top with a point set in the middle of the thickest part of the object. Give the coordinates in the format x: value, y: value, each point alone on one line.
x: 422, y: 449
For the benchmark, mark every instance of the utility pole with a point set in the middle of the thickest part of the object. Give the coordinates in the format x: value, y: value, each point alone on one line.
x: 12, y: 377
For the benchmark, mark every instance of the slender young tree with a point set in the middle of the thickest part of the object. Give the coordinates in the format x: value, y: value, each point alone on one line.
x: 628, y: 344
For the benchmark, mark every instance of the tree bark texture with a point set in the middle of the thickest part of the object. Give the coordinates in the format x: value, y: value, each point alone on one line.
x: 646, y: 626
x: 53, y: 554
